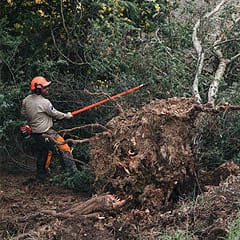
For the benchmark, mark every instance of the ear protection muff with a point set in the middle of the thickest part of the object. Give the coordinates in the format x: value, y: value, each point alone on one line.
x: 37, y: 89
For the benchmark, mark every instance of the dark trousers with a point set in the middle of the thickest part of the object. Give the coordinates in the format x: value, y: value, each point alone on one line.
x: 46, y: 144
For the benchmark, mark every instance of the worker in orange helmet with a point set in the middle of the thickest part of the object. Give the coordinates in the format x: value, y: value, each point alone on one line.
x: 40, y: 112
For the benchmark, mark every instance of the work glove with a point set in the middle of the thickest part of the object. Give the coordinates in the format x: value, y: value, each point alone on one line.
x: 68, y: 115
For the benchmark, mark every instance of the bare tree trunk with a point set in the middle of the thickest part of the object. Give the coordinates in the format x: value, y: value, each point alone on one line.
x: 213, y: 89
x: 200, y: 52
x: 223, y: 62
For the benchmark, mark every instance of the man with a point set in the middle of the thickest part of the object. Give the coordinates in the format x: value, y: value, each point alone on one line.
x: 40, y: 113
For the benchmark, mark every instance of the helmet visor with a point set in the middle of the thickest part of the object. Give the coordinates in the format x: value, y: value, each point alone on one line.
x: 47, y: 84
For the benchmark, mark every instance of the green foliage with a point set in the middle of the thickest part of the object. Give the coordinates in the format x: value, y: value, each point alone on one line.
x: 9, y: 111
x: 234, y: 233
x: 9, y: 45
x: 218, y: 140
x: 79, y: 180
x: 126, y: 51
x: 103, y: 45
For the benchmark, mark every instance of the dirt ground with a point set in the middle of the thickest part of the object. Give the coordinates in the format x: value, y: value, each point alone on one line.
x: 147, y: 160
x: 24, y: 206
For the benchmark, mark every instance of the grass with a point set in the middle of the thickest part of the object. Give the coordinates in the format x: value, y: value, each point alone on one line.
x: 177, y: 235
x: 234, y: 229
x: 234, y: 233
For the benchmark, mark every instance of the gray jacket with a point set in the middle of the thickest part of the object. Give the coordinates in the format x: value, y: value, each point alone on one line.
x: 40, y: 113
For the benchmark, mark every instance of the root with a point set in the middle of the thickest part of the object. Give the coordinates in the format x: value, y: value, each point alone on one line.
x: 92, y: 208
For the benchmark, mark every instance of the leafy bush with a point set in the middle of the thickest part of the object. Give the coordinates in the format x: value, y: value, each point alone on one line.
x: 79, y: 180
x: 218, y: 139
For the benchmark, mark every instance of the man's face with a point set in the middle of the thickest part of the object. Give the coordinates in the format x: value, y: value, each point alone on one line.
x: 45, y: 91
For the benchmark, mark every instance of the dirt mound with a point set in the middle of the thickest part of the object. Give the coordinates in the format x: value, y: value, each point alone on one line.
x: 149, y: 159
x: 208, y: 217
x: 148, y: 153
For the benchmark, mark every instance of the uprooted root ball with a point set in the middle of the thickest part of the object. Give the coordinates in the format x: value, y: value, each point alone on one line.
x: 148, y: 153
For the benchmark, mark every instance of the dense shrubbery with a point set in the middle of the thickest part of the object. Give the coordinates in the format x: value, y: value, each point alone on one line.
x: 104, y: 46
x: 218, y: 140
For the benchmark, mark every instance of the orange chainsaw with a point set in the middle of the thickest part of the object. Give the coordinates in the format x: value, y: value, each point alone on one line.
x: 25, y: 131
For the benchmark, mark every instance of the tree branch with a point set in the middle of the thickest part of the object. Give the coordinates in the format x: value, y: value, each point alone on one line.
x: 93, y: 125
x: 200, y: 53
x: 63, y: 55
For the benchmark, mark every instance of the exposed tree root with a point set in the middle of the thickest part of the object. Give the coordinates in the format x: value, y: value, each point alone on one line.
x: 92, y: 208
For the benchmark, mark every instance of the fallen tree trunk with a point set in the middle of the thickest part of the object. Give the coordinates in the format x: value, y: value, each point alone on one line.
x: 92, y: 208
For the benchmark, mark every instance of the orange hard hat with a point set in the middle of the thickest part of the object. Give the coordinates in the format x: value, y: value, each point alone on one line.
x: 39, y: 82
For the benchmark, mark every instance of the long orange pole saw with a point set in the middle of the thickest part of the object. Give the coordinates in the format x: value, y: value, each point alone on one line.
x: 74, y: 113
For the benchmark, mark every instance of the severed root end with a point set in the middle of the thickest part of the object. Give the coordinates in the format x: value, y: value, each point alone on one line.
x: 113, y: 201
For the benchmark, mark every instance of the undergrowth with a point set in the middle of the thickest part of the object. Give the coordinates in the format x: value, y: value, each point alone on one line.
x: 218, y: 140
x: 233, y: 232
x: 177, y: 235
x: 234, y: 229
x: 79, y: 180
